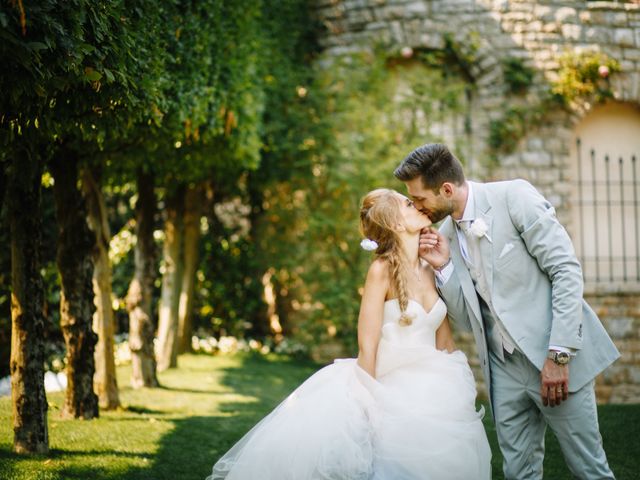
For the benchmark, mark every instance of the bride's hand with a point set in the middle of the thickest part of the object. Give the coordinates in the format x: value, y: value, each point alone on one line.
x: 434, y: 247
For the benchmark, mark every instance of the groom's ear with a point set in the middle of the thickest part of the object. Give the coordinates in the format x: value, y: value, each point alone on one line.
x: 447, y: 189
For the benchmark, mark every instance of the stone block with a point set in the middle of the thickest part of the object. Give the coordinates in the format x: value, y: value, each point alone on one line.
x: 571, y: 32
x: 624, y: 37
x: 627, y: 66
x: 412, y: 30
x: 414, y: 9
x: 510, y: 160
x: 535, y: 26
x: 521, y: 6
x: 632, y: 54
x: 333, y: 12
x: 603, y: 393
x: 620, y: 328
x: 615, y: 374
x: 555, y: 200
x: 626, y: 357
x: 390, y: 12
x: 536, y: 159
x: 518, y: 16
x: 377, y: 26
x: 397, y: 33
x: 352, y: 4
x: 551, y: 176
x: 544, y: 13
x: 597, y: 35
x: 458, y: 6
x: 551, y: 27
x: 585, y: 17
x: 432, y: 40
x: 566, y: 15
x: 625, y: 394
x: 612, y: 19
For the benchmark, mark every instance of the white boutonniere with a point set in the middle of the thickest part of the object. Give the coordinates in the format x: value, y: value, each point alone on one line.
x: 369, y: 245
x: 479, y: 229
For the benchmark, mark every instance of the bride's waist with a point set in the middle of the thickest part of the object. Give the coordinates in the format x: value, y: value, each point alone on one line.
x: 402, y: 353
x: 404, y: 343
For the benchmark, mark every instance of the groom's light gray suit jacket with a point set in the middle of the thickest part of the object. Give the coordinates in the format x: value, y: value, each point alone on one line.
x: 535, y: 282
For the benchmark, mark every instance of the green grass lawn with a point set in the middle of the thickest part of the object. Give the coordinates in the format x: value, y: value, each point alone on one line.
x: 177, y: 432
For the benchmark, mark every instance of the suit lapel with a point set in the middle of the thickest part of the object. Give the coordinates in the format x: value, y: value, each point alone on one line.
x: 483, y: 210
x: 460, y: 266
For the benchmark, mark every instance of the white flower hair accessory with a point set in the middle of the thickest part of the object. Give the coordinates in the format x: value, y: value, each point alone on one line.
x: 479, y: 228
x: 369, y: 245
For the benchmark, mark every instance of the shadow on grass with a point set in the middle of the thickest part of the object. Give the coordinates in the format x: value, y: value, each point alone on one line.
x: 142, y: 410
x: 189, y: 390
x: 194, y: 444
x: 8, y: 469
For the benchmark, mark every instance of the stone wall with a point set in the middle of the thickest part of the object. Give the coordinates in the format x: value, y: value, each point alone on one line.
x: 488, y: 32
x: 620, y: 314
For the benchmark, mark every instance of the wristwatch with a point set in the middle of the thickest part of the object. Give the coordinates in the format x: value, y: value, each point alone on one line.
x: 560, y: 358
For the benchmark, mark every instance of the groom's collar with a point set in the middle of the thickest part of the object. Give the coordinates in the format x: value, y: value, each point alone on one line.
x: 480, y: 198
x: 469, y: 213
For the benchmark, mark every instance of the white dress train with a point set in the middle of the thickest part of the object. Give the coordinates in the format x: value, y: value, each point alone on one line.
x: 415, y: 421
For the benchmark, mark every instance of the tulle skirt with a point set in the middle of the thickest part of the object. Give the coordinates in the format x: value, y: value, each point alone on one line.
x: 415, y: 421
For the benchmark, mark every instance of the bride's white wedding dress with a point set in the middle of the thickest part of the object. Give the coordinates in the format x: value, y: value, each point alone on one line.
x: 415, y: 421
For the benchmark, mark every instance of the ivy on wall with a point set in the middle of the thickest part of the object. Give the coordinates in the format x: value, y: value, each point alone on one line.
x: 518, y: 76
x: 582, y: 79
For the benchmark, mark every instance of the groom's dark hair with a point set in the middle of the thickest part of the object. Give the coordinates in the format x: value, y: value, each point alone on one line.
x: 434, y: 163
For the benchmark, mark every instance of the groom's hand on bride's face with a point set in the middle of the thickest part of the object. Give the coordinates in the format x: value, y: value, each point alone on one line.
x: 434, y: 247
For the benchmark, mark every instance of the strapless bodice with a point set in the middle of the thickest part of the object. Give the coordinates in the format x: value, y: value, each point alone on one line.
x: 422, y: 329
x: 414, y: 419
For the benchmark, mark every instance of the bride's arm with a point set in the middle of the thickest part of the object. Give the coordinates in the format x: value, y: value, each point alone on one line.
x: 444, y: 337
x: 371, y: 313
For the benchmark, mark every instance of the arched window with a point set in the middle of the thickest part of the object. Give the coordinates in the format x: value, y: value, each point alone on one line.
x: 606, y: 194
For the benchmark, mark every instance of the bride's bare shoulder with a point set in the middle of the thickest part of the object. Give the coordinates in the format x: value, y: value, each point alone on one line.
x: 379, y: 271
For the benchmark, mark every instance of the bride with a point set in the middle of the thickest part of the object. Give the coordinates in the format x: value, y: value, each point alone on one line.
x: 404, y: 409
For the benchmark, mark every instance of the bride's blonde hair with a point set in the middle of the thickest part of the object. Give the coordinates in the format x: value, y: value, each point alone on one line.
x: 379, y: 215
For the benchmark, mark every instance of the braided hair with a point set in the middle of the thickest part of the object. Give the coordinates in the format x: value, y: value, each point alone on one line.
x: 379, y: 215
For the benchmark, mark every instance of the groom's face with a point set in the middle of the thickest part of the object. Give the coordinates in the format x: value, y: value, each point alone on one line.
x: 435, y: 206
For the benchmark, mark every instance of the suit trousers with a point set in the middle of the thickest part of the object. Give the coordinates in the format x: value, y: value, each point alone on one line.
x: 521, y: 420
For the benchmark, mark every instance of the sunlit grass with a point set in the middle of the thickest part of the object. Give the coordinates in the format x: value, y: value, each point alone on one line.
x: 176, y: 432
x: 179, y: 431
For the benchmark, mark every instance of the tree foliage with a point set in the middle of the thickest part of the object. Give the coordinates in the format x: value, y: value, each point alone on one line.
x: 235, y: 96
x: 365, y: 112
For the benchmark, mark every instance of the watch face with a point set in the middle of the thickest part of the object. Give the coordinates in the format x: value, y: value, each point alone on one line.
x: 562, y: 357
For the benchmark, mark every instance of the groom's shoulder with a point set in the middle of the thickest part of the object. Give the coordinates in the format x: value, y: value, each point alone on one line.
x: 508, y: 188
x: 504, y: 185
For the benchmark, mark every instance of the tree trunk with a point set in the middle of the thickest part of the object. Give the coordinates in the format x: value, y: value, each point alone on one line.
x: 104, y: 380
x: 141, y: 329
x: 171, y: 282
x: 193, y: 202
x: 76, y: 243
x: 4, y: 164
x: 30, y: 434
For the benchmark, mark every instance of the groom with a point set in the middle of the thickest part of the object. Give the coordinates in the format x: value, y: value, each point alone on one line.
x: 507, y: 271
